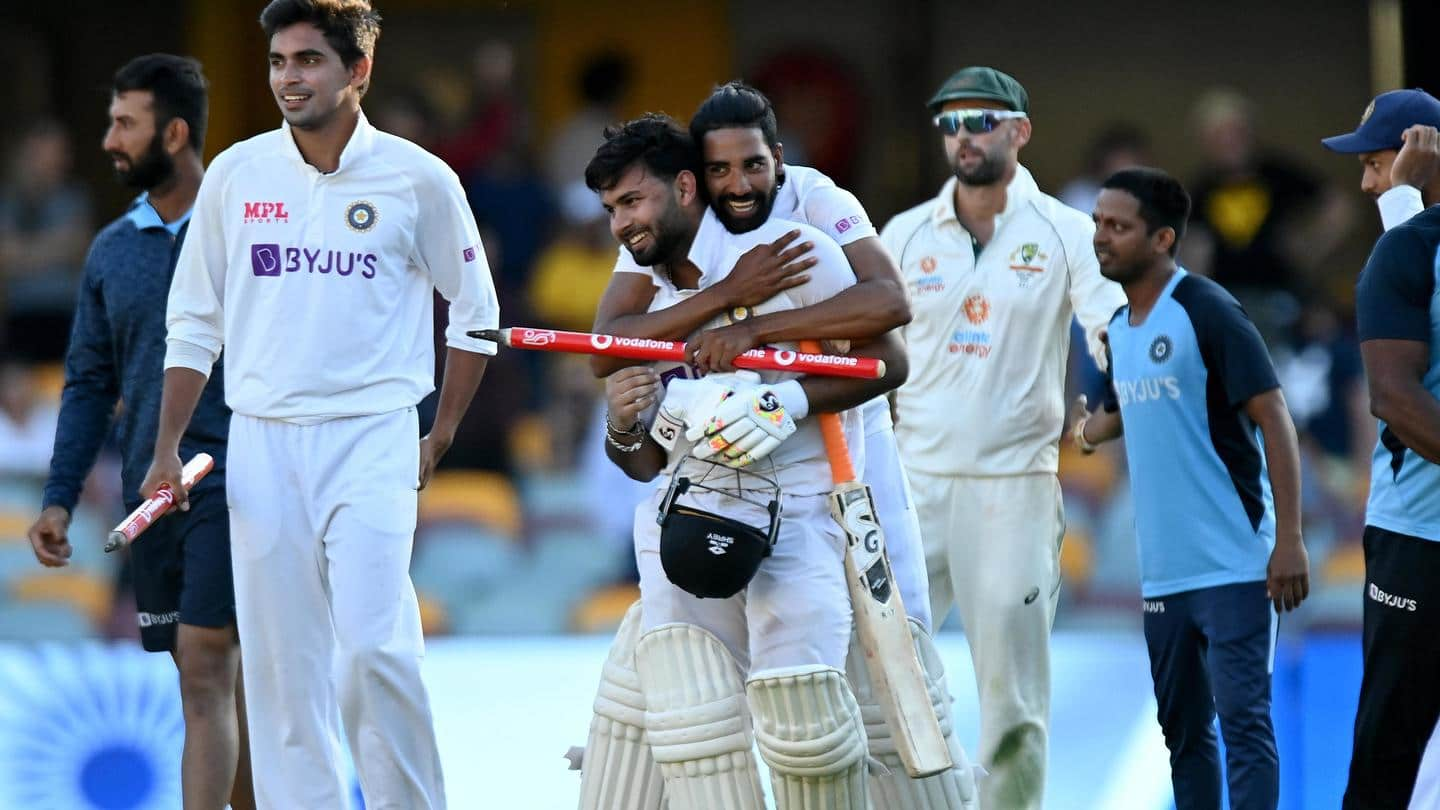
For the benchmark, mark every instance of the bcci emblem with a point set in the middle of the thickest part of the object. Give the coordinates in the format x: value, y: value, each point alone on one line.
x: 1160, y: 349
x: 361, y: 216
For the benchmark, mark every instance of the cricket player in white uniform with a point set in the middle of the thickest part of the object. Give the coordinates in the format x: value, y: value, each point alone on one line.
x: 788, y: 629
x: 995, y: 270
x: 313, y: 253
x: 747, y: 185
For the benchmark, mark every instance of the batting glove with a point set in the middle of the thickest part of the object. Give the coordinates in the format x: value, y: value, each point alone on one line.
x: 749, y: 424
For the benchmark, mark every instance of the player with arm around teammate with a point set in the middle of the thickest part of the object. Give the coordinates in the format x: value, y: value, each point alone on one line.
x: 313, y: 258
x: 785, y: 626
x: 748, y: 185
x: 181, y: 565
x: 1217, y: 517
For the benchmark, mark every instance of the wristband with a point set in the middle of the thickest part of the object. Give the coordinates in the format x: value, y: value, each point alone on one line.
x: 793, y: 399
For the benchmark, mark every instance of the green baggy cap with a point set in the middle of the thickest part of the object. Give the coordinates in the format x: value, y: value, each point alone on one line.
x: 982, y: 82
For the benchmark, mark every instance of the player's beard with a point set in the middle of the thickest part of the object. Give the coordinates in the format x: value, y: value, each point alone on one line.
x: 667, y: 235
x: 154, y: 167
x: 987, y: 172
x: 738, y: 224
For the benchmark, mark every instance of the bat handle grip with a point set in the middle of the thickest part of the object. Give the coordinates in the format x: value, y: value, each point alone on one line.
x: 833, y: 432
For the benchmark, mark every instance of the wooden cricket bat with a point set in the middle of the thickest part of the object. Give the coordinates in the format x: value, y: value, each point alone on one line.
x: 880, y: 623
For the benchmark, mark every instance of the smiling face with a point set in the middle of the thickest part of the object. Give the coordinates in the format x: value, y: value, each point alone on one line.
x: 741, y: 176
x: 135, y: 146
x: 311, y: 83
x: 647, y: 214
x: 985, y: 158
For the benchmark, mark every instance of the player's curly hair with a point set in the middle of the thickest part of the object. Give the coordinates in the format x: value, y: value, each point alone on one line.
x: 737, y: 105
x: 655, y: 139
x: 1164, y: 203
x: 351, y: 27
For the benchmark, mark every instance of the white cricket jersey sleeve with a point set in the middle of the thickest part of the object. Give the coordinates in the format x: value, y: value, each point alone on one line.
x: 838, y: 213
x: 1093, y: 297
x: 447, y: 246
x: 195, y: 309
x: 1398, y: 205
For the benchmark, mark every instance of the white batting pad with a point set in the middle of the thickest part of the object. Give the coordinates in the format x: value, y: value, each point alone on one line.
x: 896, y: 790
x: 809, y: 731
x: 696, y: 720
x: 618, y: 770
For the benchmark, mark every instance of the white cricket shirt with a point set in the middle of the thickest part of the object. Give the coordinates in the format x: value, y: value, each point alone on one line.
x: 990, y: 334
x: 319, y: 286
x: 800, y: 464
x: 811, y: 198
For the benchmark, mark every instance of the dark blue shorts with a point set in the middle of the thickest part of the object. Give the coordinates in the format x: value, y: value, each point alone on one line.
x: 181, y: 567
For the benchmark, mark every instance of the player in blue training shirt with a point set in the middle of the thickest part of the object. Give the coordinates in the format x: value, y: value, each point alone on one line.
x: 1397, y: 307
x: 1190, y: 382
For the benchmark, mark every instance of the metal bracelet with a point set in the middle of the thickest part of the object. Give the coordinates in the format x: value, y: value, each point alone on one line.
x: 635, y: 429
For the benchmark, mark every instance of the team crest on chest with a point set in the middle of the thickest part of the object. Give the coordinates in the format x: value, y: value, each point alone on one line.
x: 361, y: 216
x: 1160, y: 349
x: 1027, y: 262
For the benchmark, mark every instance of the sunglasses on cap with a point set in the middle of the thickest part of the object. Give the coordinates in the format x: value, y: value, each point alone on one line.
x: 973, y: 121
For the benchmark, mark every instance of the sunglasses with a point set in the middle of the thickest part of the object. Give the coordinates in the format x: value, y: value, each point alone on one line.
x: 973, y: 121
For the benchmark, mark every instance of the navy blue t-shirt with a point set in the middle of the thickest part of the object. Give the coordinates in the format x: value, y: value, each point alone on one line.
x: 1397, y: 298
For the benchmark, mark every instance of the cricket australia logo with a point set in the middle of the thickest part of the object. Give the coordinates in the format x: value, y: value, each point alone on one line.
x: 361, y: 216
x: 1161, y: 349
x: 1027, y: 263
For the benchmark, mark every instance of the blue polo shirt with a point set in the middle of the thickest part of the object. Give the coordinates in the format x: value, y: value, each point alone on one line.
x: 1203, y: 511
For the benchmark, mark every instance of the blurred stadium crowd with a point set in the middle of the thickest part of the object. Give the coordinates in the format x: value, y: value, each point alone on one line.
x: 526, y: 530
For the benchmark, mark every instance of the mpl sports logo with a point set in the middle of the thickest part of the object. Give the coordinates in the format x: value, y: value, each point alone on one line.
x: 270, y: 259
x: 266, y: 213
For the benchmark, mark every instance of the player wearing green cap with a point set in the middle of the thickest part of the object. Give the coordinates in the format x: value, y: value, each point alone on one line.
x: 996, y: 269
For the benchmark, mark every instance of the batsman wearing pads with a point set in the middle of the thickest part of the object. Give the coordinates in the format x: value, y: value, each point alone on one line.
x: 313, y: 256
x: 745, y: 611
x: 748, y: 185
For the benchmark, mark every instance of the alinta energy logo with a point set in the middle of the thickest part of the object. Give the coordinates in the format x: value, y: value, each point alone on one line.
x: 270, y: 259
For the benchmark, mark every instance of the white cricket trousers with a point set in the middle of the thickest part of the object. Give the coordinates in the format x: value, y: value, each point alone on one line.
x: 992, y: 545
x: 322, y: 520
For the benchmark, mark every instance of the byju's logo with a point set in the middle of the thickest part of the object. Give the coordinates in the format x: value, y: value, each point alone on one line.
x: 265, y: 260
x: 1391, y: 600
x: 269, y: 259
x: 261, y: 213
